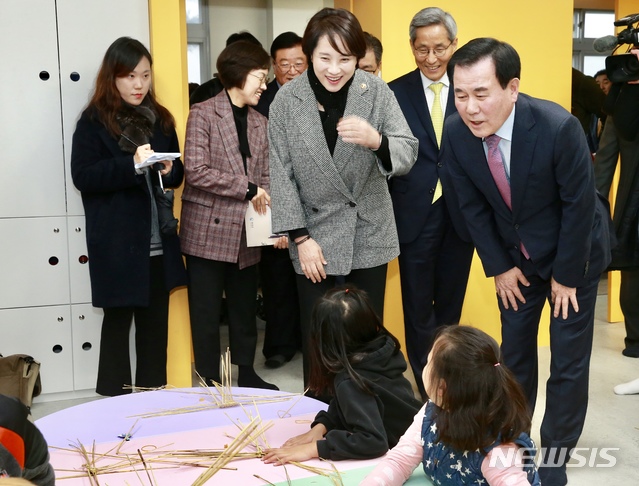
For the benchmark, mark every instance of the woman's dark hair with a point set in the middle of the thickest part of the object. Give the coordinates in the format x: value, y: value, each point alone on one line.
x: 336, y: 23
x: 343, y: 326
x: 237, y: 60
x: 481, y: 400
x: 504, y: 57
x: 119, y: 60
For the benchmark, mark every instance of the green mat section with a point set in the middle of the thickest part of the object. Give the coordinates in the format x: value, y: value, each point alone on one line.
x: 353, y: 477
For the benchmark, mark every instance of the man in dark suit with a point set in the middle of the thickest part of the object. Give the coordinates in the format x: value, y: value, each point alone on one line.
x: 522, y: 172
x: 434, y: 262
x: 282, y: 335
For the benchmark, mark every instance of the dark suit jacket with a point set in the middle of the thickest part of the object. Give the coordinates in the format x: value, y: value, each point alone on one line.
x: 214, y: 199
x: 206, y: 91
x: 555, y: 209
x: 117, y: 205
x: 267, y: 98
x: 412, y: 193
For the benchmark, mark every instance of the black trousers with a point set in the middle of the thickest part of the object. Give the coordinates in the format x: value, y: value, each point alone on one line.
x: 372, y: 280
x: 570, y: 348
x: 629, y: 300
x: 151, y: 336
x: 281, y: 303
x: 433, y: 272
x: 209, y: 280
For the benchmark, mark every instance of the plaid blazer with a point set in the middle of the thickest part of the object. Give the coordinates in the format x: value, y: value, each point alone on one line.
x: 342, y: 200
x: 214, y: 199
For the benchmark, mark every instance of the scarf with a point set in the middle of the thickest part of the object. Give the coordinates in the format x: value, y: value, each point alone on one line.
x: 334, y: 104
x: 136, y: 123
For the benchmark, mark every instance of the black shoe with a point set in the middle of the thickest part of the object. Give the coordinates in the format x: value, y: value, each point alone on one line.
x: 276, y: 361
x: 249, y: 379
x: 631, y: 352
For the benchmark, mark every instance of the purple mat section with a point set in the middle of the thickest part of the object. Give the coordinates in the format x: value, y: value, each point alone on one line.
x: 104, y: 420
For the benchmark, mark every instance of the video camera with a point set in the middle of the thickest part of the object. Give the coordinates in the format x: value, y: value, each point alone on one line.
x: 624, y: 67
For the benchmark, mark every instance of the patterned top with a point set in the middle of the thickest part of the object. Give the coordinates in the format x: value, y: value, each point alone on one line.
x: 508, y: 464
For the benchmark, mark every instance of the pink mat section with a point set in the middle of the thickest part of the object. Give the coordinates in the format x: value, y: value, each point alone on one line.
x: 243, y: 473
x: 96, y: 426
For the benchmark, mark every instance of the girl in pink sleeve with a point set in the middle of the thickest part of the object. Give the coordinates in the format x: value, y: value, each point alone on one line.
x: 474, y: 429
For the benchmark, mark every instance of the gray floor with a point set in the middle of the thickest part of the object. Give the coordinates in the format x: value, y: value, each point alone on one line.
x: 613, y: 421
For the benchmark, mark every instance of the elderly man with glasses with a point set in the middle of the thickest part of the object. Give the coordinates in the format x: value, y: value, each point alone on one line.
x: 434, y: 261
x: 288, y: 63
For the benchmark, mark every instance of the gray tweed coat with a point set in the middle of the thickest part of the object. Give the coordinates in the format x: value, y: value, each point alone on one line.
x: 342, y: 200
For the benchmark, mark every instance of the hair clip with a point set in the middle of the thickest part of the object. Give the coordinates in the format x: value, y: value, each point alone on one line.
x: 497, y: 364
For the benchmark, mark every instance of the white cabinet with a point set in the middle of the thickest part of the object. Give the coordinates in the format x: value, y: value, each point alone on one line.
x: 34, y: 262
x: 78, y: 260
x: 86, y: 324
x: 45, y: 334
x: 51, y: 51
x: 30, y: 111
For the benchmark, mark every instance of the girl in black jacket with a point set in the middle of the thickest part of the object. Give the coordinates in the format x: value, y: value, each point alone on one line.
x: 357, y: 361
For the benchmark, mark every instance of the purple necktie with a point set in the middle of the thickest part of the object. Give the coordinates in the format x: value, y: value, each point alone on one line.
x: 497, y: 169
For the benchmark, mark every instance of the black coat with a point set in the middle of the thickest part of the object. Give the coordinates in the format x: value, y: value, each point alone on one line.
x: 117, y: 206
x: 620, y: 136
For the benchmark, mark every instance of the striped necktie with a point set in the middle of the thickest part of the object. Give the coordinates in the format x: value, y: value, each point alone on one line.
x: 437, y: 118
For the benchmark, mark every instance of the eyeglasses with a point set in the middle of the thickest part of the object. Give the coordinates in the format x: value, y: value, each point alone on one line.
x: 262, y: 78
x: 286, y: 67
x: 438, y: 51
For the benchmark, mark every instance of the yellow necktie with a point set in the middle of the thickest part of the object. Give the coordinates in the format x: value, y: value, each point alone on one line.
x: 437, y: 117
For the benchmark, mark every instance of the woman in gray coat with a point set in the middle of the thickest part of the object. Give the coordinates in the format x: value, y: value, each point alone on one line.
x: 335, y: 134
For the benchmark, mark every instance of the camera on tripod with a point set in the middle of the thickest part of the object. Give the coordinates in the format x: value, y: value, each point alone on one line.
x: 624, y: 67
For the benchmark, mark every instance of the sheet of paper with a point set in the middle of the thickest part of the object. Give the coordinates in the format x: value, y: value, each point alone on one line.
x: 258, y: 228
x: 158, y: 157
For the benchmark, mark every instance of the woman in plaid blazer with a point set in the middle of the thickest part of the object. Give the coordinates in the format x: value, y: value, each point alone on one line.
x: 226, y: 168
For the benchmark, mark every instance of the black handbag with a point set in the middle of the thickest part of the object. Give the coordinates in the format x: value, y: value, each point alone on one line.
x: 164, y: 203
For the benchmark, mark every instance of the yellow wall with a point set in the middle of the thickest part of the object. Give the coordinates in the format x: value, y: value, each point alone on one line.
x: 542, y: 35
x: 168, y: 48
x: 595, y: 4
x: 519, y: 25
